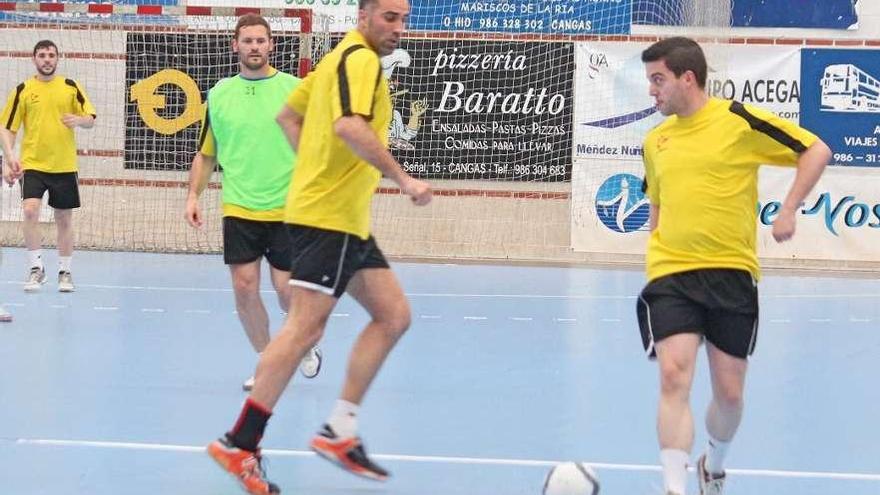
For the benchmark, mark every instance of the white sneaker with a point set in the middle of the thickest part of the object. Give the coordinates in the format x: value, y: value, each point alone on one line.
x: 65, y: 282
x: 710, y: 483
x: 311, y: 364
x: 5, y: 316
x: 248, y: 384
x: 35, y: 279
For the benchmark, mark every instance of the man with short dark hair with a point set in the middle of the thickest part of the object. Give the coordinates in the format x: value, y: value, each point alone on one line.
x: 49, y: 107
x: 701, y: 172
x: 338, y: 121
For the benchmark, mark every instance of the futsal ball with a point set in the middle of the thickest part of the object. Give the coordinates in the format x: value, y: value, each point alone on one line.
x: 570, y: 478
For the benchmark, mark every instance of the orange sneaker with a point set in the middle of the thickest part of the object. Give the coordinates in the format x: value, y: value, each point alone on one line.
x: 347, y: 453
x: 244, y: 465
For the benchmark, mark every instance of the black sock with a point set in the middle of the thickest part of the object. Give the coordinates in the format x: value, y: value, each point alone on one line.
x: 248, y: 430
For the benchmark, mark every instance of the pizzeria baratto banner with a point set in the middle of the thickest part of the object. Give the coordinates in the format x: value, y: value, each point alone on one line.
x: 468, y: 109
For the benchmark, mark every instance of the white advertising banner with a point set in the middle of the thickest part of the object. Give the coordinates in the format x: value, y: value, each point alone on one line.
x: 613, y: 110
x: 335, y: 16
x: 839, y: 221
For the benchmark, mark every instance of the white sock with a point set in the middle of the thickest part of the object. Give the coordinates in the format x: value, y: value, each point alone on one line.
x: 35, y: 257
x: 64, y: 263
x: 715, y: 453
x: 674, y: 464
x: 343, y: 419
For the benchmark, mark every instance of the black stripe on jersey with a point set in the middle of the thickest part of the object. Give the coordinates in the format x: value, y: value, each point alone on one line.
x: 344, y: 91
x: 767, y: 128
x: 79, y: 96
x: 204, y: 133
x: 18, y: 90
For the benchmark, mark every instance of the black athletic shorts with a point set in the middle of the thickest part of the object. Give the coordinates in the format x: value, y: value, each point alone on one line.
x: 719, y: 304
x: 326, y: 260
x: 63, y: 188
x: 245, y: 241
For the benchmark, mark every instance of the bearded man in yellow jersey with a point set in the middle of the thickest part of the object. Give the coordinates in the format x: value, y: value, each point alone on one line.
x: 701, y: 176
x: 49, y: 107
x: 337, y: 120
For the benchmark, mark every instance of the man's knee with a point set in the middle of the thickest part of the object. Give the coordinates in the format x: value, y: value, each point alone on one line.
x: 675, y: 376
x: 396, y: 321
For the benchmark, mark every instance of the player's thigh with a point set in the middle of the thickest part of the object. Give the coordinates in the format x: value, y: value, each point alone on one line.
x: 279, y: 249
x: 669, y: 306
x: 732, y: 324
x: 63, y: 190
x: 33, y: 185
x: 243, y: 240
x: 380, y: 293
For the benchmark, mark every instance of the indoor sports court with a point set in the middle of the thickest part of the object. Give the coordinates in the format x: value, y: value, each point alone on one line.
x: 528, y: 118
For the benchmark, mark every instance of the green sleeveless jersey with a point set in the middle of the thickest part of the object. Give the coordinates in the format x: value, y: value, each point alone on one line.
x: 256, y: 158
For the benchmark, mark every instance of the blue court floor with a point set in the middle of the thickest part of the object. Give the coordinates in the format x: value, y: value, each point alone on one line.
x: 116, y: 388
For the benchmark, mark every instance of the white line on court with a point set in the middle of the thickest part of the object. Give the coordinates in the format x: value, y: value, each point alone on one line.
x: 820, y: 320
x: 152, y: 310
x: 771, y: 473
x: 478, y: 318
x: 198, y: 311
x: 521, y: 318
x: 862, y: 295
x: 105, y: 308
x: 565, y: 320
x: 340, y: 315
x: 859, y: 320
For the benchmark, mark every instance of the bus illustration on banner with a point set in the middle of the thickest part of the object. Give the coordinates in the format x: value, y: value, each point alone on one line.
x: 846, y: 88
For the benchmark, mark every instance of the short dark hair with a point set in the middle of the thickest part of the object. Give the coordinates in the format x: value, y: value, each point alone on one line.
x: 45, y: 44
x: 680, y: 55
x: 252, y: 20
x: 362, y: 4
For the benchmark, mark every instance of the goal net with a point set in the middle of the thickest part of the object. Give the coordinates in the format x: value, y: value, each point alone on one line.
x: 147, y: 69
x: 502, y: 105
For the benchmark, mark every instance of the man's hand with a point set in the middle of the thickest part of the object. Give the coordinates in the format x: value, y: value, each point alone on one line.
x: 419, y: 191
x: 72, y: 121
x: 11, y: 170
x: 193, y: 213
x: 784, y: 226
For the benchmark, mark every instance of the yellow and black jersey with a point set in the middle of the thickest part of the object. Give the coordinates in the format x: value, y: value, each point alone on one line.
x: 702, y: 173
x: 332, y: 187
x: 48, y: 145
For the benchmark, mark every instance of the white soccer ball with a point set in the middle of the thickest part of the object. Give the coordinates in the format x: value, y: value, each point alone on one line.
x: 570, y: 478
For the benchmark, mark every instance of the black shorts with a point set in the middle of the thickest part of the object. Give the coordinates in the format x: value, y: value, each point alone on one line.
x: 63, y: 188
x: 245, y: 241
x: 719, y: 304
x: 326, y: 260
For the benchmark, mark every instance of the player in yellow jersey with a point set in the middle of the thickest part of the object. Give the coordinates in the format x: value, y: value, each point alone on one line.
x: 337, y: 120
x: 701, y: 175
x: 49, y: 107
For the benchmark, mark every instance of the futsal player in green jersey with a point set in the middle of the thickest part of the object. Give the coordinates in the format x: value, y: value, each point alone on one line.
x: 49, y: 107
x: 239, y: 132
x: 338, y: 121
x: 701, y: 174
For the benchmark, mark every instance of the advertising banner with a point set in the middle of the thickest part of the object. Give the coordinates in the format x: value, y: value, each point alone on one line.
x: 839, y: 220
x: 613, y: 110
x: 482, y: 110
x: 841, y: 103
x: 167, y: 76
x: 824, y: 14
x: 523, y: 16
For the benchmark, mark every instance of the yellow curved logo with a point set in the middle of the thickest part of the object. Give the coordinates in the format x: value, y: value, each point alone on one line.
x: 144, y: 93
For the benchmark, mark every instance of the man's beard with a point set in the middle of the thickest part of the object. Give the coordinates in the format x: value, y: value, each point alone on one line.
x: 51, y: 70
x: 246, y: 61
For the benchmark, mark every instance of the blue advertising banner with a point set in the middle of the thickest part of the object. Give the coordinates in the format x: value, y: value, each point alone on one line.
x: 523, y: 16
x: 827, y: 14
x: 840, y: 102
